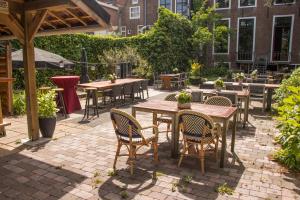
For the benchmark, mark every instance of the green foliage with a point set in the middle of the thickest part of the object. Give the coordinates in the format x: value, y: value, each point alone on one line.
x: 289, y: 126
x: 219, y: 83
x: 196, y: 69
x: 225, y: 189
x: 184, y: 97
x: 219, y: 71
x: 239, y: 76
x: 254, y: 74
x: 283, y: 92
x: 112, y: 77
x: 46, y: 104
x: 19, y: 103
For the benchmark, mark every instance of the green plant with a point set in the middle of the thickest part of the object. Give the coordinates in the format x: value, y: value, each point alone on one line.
x: 112, y: 173
x: 187, y: 179
x: 46, y: 104
x: 112, y: 77
x: 124, y: 194
x: 219, y: 83
x: 289, y: 126
x: 254, y: 74
x: 184, y: 97
x: 239, y: 76
x: 19, y: 103
x: 196, y: 69
x: 224, y: 189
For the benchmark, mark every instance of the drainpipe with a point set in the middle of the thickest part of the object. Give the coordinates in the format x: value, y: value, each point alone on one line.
x: 145, y: 13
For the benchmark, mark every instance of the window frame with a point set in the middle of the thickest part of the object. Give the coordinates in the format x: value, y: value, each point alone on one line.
x: 171, y: 5
x: 130, y: 12
x: 238, y: 35
x: 254, y: 6
x: 229, y: 7
x: 123, y: 31
x: 138, y: 29
x: 291, y: 38
x: 228, y: 47
x: 282, y: 4
x: 188, y: 7
x: 133, y: 2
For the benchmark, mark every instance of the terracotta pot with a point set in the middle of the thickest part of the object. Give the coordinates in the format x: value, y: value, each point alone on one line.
x: 184, y: 105
x: 113, y: 80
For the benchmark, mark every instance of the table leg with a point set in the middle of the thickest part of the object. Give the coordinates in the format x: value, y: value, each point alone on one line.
x: 175, y: 137
x: 223, y: 149
x: 246, y: 111
x: 133, y: 112
x: 233, y: 132
x: 154, y: 121
x: 269, y: 98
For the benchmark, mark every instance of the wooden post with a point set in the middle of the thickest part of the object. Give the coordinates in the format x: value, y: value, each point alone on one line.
x: 30, y: 79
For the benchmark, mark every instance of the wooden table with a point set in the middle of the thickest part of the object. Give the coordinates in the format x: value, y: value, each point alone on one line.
x: 103, y: 85
x: 218, y: 113
x: 269, y: 87
x: 243, y: 95
x: 166, y: 80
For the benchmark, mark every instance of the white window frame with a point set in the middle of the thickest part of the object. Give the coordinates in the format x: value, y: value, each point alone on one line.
x: 280, y: 4
x: 228, y: 48
x: 130, y: 12
x: 138, y: 29
x: 291, y: 38
x: 123, y: 31
x: 134, y: 1
x: 238, y: 35
x: 223, y: 8
x: 171, y: 4
x: 187, y: 4
x: 239, y: 5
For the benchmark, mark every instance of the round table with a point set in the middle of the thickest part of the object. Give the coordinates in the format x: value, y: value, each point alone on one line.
x: 71, y: 99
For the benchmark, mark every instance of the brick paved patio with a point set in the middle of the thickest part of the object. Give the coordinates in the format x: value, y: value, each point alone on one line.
x: 76, y: 164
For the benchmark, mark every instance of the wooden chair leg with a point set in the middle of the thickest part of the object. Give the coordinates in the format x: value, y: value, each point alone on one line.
x: 155, y: 153
x: 202, y: 159
x: 216, y: 148
x: 185, y: 148
x: 117, y: 155
x: 168, y: 130
x: 131, y: 159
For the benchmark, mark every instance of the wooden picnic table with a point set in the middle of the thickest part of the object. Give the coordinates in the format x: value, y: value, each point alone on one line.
x: 220, y: 114
x: 243, y: 95
x: 104, y: 85
x: 269, y: 87
x: 166, y: 80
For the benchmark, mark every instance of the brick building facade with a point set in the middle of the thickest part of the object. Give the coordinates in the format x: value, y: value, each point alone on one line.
x: 260, y: 34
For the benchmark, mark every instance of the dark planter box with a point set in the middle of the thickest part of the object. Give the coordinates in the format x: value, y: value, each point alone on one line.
x: 47, y: 126
x: 195, y: 80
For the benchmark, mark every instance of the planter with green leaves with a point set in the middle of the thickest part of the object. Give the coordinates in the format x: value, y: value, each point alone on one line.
x: 47, y: 113
x: 175, y: 70
x: 112, y: 77
x: 184, y: 100
x: 239, y: 77
x: 254, y: 74
x: 219, y: 84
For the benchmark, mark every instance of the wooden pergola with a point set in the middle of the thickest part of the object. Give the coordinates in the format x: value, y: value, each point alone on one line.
x: 26, y: 19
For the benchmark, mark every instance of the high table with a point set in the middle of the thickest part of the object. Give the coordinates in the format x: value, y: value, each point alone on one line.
x: 243, y: 95
x: 220, y: 114
x: 103, y: 85
x: 71, y: 99
x: 166, y: 79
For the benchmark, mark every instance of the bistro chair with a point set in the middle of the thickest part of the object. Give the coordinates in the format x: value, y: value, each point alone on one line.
x: 60, y: 101
x: 234, y: 87
x: 115, y: 93
x: 91, y: 94
x: 260, y: 80
x: 166, y: 119
x: 258, y: 93
x: 127, y: 91
x: 176, y: 82
x: 157, y: 82
x: 197, y: 96
x: 144, y: 87
x: 198, y: 131
x: 136, y: 90
x: 218, y: 101
x: 207, y: 86
x: 233, y: 97
x: 130, y: 133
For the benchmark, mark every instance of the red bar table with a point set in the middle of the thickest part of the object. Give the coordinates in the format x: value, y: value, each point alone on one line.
x: 71, y: 99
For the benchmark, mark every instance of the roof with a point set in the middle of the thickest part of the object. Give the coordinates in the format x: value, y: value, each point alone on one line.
x: 58, y: 16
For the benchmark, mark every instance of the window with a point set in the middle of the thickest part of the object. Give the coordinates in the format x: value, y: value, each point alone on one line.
x: 247, y: 3
x: 281, y: 2
x: 182, y: 7
x: 222, y: 4
x: 123, y: 30
x: 134, y: 12
x: 282, y: 37
x: 166, y: 4
x: 222, y: 40
x: 246, y: 38
x: 140, y: 29
x: 135, y: 1
x: 128, y: 32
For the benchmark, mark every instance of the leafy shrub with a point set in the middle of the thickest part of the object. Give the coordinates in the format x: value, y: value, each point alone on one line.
x: 283, y: 91
x: 214, y: 71
x: 19, y: 103
x: 184, y: 97
x: 46, y: 104
x: 289, y: 126
x: 219, y: 83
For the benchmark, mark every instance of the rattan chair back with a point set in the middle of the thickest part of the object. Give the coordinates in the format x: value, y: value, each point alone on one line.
x: 171, y: 97
x: 218, y: 101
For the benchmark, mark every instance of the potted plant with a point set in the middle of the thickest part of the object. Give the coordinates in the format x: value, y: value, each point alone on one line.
x: 184, y: 100
x: 47, y: 113
x: 219, y: 84
x: 112, y: 77
x: 254, y: 74
x: 175, y: 70
x: 239, y: 77
x: 195, y: 78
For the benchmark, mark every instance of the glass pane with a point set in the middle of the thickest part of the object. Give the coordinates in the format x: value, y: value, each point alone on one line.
x: 223, y: 3
x: 246, y: 37
x: 284, y: 1
x: 247, y: 3
x: 182, y: 7
x: 165, y: 3
x: 281, y: 38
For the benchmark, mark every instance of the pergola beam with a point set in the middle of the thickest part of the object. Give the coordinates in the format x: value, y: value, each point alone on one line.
x: 46, y: 4
x: 36, y: 23
x: 14, y: 26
